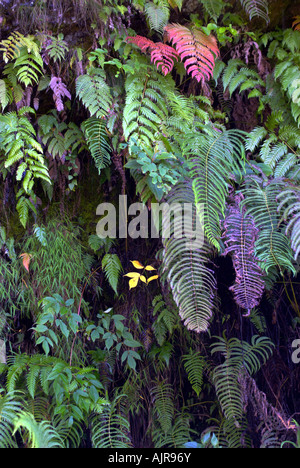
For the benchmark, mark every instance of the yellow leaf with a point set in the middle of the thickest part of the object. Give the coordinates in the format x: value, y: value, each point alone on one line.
x: 26, y: 260
x: 133, y: 282
x: 152, y: 278
x: 149, y: 268
x: 142, y: 278
x: 137, y: 264
x: 133, y: 274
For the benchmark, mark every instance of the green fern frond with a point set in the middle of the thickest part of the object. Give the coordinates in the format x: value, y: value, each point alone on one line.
x: 11, y: 405
x: 145, y: 108
x: 213, y: 7
x: 94, y: 93
x: 179, y: 434
x: 97, y: 141
x: 112, y: 267
x: 194, y: 364
x: 157, y: 14
x: 166, y: 319
x: 215, y: 159
x: 111, y: 429
x: 240, y: 356
x: 21, y: 147
x: 289, y: 207
x: 40, y: 435
x: 29, y: 66
x: 5, y: 94
x: 192, y: 283
x: 236, y: 75
x: 56, y: 47
x: 272, y: 247
x: 256, y: 8
x: 12, y: 45
x: 163, y: 401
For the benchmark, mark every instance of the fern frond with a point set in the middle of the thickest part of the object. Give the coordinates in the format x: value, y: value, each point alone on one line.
x: 40, y: 435
x: 94, y: 93
x: 11, y: 405
x: 28, y: 66
x: 112, y: 267
x: 256, y: 8
x: 12, y: 45
x: 240, y: 236
x: 145, y: 108
x: 213, y: 7
x: 272, y: 247
x: 55, y: 47
x: 194, y: 364
x: 289, y: 207
x: 166, y: 319
x: 20, y: 146
x: 157, y: 14
x: 239, y: 356
x: 162, y: 55
x: 163, y: 401
x: 192, y: 283
x: 111, y: 429
x: 215, y: 159
x: 196, y: 50
x: 59, y: 91
x: 97, y: 141
x: 179, y: 434
x: 5, y: 94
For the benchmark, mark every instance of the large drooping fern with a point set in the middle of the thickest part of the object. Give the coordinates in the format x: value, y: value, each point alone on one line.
x: 215, y: 158
x: 192, y: 282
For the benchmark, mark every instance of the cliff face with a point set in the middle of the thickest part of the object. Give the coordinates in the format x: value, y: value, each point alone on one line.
x: 89, y: 15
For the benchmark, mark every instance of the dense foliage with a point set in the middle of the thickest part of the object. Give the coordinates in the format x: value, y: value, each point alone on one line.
x: 147, y: 342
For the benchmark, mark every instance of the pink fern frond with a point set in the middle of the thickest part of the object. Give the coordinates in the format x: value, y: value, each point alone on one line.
x: 59, y: 91
x: 196, y: 50
x: 162, y: 55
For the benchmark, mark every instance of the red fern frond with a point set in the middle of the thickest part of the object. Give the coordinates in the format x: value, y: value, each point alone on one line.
x: 196, y: 50
x: 162, y: 55
x: 296, y: 23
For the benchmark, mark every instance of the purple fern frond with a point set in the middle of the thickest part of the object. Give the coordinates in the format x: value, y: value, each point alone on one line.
x: 59, y: 91
x: 239, y: 237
